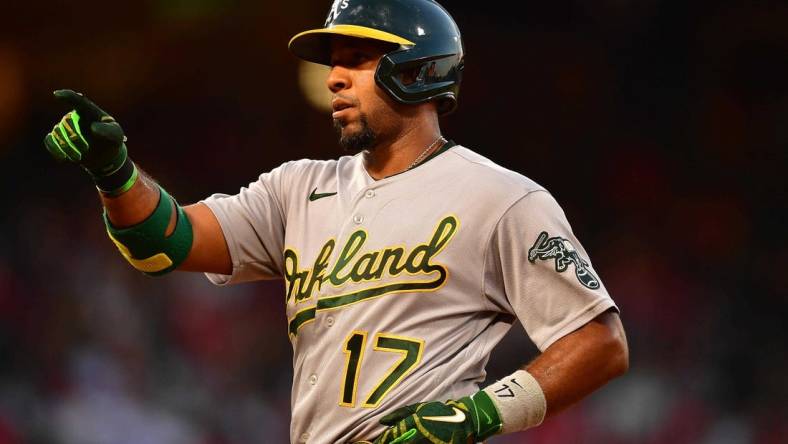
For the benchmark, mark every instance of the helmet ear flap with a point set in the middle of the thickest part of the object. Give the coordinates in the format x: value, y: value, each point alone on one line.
x: 447, y: 105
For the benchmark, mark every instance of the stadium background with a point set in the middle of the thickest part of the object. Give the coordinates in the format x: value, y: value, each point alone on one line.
x: 659, y: 125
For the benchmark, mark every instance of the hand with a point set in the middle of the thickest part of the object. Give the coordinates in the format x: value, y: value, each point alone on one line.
x: 100, y: 149
x: 463, y: 421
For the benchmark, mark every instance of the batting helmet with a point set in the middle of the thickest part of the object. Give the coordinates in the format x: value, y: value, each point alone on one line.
x: 424, y: 38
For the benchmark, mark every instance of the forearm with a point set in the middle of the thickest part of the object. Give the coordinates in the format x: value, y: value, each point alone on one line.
x: 140, y: 206
x: 208, y: 251
x: 133, y: 206
x: 581, y: 362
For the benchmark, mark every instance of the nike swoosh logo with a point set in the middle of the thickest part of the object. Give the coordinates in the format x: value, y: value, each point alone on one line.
x: 457, y: 417
x: 315, y: 196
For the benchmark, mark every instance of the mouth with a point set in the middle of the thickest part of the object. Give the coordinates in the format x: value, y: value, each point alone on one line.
x: 339, y: 106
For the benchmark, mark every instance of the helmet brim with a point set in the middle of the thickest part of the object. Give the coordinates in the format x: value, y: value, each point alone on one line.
x: 315, y: 45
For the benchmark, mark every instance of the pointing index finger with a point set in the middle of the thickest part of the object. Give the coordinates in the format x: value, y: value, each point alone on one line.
x: 83, y: 105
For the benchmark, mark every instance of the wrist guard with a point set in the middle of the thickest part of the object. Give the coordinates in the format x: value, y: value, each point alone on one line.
x: 519, y: 400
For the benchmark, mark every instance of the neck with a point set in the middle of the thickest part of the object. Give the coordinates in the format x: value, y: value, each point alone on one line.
x: 397, y: 156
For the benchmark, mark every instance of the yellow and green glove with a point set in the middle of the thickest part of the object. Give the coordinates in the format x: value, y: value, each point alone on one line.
x: 90, y: 137
x: 468, y: 420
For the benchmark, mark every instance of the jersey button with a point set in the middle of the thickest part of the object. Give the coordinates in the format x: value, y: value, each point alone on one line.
x: 358, y: 219
x: 370, y: 194
x: 329, y: 321
x: 304, y: 437
x: 313, y: 379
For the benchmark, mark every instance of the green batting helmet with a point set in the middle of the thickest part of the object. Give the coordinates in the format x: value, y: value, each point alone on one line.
x: 424, y: 40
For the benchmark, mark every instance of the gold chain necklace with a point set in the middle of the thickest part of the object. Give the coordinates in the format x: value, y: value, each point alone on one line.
x: 424, y: 153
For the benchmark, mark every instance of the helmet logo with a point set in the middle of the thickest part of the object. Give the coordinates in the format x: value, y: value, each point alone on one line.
x: 336, y: 9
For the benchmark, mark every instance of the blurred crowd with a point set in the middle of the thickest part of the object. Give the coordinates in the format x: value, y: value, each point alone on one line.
x: 661, y: 127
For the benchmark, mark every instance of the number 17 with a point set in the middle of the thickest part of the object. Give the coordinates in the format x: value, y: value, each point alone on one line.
x: 410, y: 349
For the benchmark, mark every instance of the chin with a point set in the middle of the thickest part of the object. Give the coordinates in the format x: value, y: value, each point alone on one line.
x: 355, y: 136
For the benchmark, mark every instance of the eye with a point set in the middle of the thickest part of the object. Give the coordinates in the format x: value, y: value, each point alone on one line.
x: 359, y: 57
x: 354, y: 58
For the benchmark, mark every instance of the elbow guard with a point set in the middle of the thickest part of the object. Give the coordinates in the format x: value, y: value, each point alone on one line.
x: 145, y: 245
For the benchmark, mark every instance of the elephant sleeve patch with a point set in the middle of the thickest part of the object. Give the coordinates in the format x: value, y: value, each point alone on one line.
x: 564, y: 254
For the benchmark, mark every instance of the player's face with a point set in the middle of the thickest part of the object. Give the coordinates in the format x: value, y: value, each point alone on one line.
x: 363, y: 113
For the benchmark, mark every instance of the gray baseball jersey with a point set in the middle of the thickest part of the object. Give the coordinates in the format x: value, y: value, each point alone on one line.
x: 398, y: 289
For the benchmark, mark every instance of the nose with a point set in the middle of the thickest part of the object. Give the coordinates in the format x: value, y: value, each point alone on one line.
x: 338, y: 79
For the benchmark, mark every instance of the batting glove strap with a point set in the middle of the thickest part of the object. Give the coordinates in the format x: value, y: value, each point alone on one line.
x: 484, y: 414
x: 119, y: 181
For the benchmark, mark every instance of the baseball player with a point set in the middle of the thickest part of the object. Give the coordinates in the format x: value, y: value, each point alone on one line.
x: 405, y: 262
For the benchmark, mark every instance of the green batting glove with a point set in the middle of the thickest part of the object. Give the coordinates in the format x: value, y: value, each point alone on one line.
x: 88, y: 136
x: 467, y: 420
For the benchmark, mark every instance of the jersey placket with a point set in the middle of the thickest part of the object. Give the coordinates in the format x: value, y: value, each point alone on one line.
x: 329, y: 324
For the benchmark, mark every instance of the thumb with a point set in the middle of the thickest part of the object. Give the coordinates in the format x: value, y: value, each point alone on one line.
x: 84, y: 107
x: 399, y: 414
x: 108, y: 131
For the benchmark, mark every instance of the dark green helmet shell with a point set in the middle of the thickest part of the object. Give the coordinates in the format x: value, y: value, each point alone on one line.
x: 427, y: 46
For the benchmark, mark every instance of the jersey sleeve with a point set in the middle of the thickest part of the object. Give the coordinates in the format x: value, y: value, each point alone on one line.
x: 253, y: 223
x: 536, y: 269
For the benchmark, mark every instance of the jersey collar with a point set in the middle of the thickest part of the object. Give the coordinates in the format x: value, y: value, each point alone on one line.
x: 445, y: 147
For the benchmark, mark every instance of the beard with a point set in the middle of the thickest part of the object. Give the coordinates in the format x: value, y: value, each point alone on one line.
x: 364, y: 139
